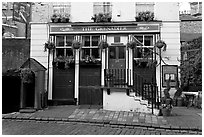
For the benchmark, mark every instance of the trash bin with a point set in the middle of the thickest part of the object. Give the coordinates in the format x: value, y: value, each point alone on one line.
x: 39, y: 85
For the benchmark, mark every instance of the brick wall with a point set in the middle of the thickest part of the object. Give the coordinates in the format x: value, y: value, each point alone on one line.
x: 14, y: 53
x: 191, y: 26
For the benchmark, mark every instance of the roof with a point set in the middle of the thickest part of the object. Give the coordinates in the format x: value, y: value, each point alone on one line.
x: 189, y: 36
x: 33, y: 64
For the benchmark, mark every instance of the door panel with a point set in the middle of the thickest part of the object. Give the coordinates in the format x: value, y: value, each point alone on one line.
x: 63, y: 84
x: 89, y: 83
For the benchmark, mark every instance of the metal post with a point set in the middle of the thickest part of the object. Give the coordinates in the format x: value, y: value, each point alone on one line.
x: 160, y: 72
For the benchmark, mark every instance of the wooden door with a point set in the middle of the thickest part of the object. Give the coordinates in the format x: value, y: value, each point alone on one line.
x: 63, y: 84
x: 89, y: 85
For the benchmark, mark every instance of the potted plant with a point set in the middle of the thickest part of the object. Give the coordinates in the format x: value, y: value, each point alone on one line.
x: 161, y: 44
x: 145, y: 16
x: 102, y: 17
x: 69, y: 60
x: 131, y: 44
x: 27, y: 75
x: 65, y: 18
x: 56, y: 18
x: 49, y: 45
x: 103, y: 44
x: 76, y: 44
x: 60, y: 62
x: 166, y: 101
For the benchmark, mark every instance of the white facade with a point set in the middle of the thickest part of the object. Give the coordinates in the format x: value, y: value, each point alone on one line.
x: 167, y: 12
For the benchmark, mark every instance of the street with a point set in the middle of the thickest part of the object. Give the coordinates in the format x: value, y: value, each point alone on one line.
x: 29, y: 127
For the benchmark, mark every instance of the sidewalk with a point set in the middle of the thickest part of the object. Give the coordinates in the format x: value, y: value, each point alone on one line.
x: 181, y: 119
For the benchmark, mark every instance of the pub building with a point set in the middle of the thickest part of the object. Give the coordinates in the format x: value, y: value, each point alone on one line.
x: 116, y: 65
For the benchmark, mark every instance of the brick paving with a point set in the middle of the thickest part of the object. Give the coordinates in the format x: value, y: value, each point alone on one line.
x: 181, y: 119
x: 30, y: 127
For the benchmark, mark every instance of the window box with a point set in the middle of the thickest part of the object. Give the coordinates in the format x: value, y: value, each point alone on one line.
x: 102, y: 17
x: 145, y: 16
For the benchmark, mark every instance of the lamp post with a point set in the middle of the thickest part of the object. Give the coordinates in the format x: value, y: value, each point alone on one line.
x: 160, y: 45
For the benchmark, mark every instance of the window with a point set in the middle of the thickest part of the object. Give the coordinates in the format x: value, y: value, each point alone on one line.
x: 62, y: 8
x: 63, y: 45
x: 146, y: 48
x: 102, y: 7
x: 90, y: 46
x: 144, y: 6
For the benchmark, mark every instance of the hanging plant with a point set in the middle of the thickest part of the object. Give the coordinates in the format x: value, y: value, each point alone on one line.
x: 103, y: 44
x: 49, y: 45
x: 131, y: 44
x: 27, y: 75
x: 76, y: 44
x: 161, y: 44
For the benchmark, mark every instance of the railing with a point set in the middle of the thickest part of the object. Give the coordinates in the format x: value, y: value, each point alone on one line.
x: 145, y: 89
x: 115, y: 77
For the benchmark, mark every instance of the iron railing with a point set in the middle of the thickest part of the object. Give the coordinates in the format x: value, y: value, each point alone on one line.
x: 147, y: 89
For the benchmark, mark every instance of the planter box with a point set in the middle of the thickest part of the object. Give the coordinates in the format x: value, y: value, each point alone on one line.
x: 166, y: 112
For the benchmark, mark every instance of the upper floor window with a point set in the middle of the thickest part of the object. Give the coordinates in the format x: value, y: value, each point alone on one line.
x: 144, y: 6
x: 102, y: 7
x: 62, y: 8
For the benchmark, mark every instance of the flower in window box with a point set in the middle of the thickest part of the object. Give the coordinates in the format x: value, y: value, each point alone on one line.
x: 27, y: 75
x: 131, y: 44
x: 161, y: 44
x: 145, y: 16
x: 76, y: 44
x: 49, y: 45
x: 101, y: 17
x: 65, y: 18
x: 103, y: 44
x: 56, y: 18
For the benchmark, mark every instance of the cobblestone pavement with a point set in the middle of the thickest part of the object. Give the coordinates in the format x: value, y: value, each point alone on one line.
x: 30, y: 127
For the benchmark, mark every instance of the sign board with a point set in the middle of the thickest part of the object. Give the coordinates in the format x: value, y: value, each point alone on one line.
x: 60, y: 29
x: 169, y: 71
x: 21, y: 11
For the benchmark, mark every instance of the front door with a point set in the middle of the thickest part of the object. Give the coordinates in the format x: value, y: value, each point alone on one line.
x: 117, y: 58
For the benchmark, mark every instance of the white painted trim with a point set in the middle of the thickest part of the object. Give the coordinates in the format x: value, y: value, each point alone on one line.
x: 103, y: 56
x: 76, y: 85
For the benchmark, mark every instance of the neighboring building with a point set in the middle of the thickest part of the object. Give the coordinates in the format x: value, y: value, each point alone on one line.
x: 191, y: 22
x: 10, y: 27
x: 107, y: 79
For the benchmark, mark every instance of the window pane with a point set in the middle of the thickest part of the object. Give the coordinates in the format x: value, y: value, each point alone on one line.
x: 102, y: 7
x: 69, y: 52
x: 60, y: 52
x: 95, y: 40
x: 112, y: 53
x: 60, y: 41
x: 148, y: 41
x: 85, y: 52
x: 148, y: 52
x: 121, y: 52
x: 95, y: 53
x: 138, y: 53
x: 69, y: 40
x: 86, y: 40
x: 139, y: 38
x: 116, y: 39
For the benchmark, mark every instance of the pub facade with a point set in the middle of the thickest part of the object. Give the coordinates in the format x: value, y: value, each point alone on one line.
x: 114, y: 64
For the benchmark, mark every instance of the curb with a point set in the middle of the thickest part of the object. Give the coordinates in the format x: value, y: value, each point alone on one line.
x: 109, y: 123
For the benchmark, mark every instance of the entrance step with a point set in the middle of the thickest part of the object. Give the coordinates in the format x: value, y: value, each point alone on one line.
x: 27, y: 110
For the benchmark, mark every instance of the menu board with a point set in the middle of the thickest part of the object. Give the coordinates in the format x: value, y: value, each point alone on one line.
x: 169, y: 71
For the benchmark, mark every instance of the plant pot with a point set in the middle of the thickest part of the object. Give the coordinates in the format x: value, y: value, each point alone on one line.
x: 160, y: 45
x: 179, y: 102
x: 166, y: 112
